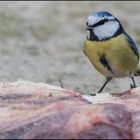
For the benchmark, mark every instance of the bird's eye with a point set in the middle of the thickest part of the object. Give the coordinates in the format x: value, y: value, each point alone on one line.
x: 87, y: 23
x: 103, y: 21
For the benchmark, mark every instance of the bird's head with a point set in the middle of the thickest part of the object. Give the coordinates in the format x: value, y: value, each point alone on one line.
x: 102, y: 26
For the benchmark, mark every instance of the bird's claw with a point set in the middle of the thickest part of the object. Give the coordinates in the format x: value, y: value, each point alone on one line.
x: 132, y: 86
x: 93, y: 94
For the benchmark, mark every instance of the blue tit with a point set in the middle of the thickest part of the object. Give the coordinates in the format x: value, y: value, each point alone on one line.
x: 110, y: 49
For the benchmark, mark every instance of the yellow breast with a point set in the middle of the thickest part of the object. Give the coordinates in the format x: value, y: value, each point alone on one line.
x: 118, y: 53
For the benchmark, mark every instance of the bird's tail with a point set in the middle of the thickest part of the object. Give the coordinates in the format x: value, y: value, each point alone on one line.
x: 137, y: 71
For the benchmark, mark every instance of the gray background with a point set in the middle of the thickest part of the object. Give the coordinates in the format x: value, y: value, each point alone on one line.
x: 43, y: 41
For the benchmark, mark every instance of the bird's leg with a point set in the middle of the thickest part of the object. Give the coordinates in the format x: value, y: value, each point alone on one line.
x: 134, y: 84
x: 101, y: 89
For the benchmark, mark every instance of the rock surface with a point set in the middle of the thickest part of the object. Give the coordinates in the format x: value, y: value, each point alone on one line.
x: 37, y: 110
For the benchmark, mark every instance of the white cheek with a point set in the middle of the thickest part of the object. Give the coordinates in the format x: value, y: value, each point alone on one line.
x: 88, y: 34
x: 106, y: 30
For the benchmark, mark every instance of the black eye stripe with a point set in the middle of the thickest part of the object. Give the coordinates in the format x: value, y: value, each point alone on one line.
x: 101, y: 22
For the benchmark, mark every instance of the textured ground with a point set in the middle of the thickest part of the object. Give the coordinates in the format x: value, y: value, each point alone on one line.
x: 31, y: 110
x: 42, y: 41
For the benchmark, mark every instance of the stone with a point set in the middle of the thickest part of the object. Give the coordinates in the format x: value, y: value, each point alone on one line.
x: 31, y: 110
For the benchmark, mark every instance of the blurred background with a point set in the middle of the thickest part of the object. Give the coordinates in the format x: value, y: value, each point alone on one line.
x: 43, y: 41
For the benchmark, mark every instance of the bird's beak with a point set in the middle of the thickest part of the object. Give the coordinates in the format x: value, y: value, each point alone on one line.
x: 88, y: 28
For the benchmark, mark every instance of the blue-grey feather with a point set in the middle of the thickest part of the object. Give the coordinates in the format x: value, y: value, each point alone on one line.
x: 132, y: 44
x: 105, y: 63
x: 101, y: 13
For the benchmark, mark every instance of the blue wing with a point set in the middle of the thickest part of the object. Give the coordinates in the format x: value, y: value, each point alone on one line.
x: 132, y: 45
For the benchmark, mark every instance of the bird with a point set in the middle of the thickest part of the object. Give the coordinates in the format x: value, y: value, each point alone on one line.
x: 110, y: 48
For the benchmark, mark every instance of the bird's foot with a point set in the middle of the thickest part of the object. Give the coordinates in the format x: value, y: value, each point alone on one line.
x: 93, y: 94
x: 132, y: 86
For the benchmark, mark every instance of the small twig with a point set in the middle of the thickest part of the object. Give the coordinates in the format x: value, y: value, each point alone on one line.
x: 61, y: 83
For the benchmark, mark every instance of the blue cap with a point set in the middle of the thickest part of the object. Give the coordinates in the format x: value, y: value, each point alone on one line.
x: 101, y: 13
